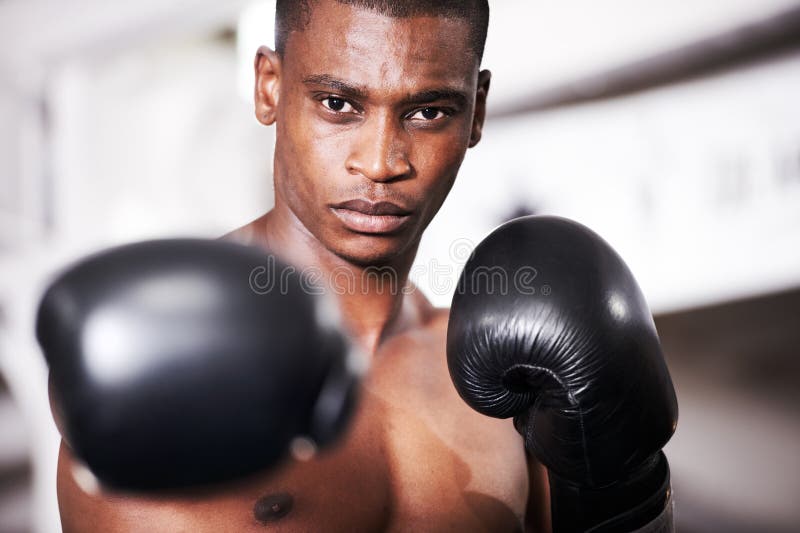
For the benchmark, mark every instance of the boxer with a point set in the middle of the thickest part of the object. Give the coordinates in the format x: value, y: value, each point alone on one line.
x: 375, y: 104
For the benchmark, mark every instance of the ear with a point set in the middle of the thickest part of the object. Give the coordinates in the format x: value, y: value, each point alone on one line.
x: 484, y: 79
x: 267, y: 89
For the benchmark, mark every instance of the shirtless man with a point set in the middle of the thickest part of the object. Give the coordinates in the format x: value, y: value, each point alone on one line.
x: 375, y: 105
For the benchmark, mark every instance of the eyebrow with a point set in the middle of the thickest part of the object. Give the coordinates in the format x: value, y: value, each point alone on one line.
x: 424, y: 97
x: 337, y: 85
x: 360, y: 92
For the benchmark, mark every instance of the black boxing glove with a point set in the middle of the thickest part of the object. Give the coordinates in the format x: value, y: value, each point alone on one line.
x: 169, y: 368
x: 549, y: 326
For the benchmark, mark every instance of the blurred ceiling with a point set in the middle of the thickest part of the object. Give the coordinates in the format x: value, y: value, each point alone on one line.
x: 36, y: 34
x: 532, y: 45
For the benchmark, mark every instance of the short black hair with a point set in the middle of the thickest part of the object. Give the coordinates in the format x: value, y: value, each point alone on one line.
x: 293, y: 15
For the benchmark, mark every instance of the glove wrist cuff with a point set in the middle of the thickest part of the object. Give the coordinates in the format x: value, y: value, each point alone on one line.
x: 626, y: 505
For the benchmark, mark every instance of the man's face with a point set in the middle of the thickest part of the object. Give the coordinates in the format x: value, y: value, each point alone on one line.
x: 374, y: 115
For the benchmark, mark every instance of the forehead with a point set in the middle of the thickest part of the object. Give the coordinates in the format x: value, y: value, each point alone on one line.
x: 378, y: 51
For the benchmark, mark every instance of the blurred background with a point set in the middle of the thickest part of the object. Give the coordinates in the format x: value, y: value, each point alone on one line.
x: 672, y: 128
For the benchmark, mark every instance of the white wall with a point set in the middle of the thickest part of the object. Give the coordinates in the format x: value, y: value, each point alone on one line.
x: 155, y: 142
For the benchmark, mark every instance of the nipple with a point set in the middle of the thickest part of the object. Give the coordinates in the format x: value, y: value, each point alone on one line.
x: 273, y: 507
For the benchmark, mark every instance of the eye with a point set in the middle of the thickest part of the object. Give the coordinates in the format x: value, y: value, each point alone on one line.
x: 337, y: 104
x: 428, y: 113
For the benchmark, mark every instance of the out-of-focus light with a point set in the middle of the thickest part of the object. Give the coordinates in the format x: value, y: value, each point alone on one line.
x: 128, y: 339
x: 256, y: 27
x: 85, y: 480
x: 303, y: 449
x: 111, y: 342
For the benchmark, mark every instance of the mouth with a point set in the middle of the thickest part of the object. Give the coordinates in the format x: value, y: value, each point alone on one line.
x: 363, y: 216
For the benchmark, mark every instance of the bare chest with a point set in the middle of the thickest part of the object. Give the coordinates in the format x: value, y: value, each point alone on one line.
x: 402, y: 468
x: 417, y: 457
x: 450, y: 468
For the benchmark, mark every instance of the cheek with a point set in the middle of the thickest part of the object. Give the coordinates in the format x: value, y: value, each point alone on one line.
x: 307, y: 162
x: 317, y: 151
x: 439, y: 161
x: 295, y: 184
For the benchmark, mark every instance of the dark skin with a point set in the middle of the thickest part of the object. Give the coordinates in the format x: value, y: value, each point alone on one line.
x: 380, y: 109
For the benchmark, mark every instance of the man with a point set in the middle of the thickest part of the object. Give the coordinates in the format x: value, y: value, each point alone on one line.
x: 375, y: 104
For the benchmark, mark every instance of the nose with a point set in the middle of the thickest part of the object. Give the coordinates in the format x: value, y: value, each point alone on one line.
x: 380, y: 151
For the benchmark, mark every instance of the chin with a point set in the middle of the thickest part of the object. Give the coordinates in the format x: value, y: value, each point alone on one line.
x: 372, y: 250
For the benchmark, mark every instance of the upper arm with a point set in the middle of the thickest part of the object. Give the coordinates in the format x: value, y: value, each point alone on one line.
x: 537, y: 513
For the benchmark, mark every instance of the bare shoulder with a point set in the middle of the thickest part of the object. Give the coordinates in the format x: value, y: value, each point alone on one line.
x: 250, y: 234
x: 432, y: 319
x: 437, y: 322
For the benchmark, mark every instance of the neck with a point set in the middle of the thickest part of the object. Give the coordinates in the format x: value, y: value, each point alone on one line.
x: 376, y: 302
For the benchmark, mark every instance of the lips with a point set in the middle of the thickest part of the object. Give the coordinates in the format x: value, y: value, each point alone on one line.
x: 363, y: 216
